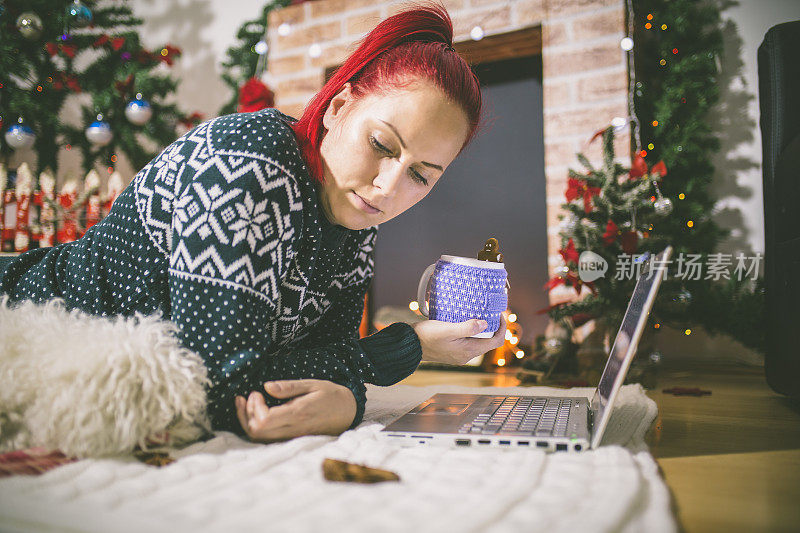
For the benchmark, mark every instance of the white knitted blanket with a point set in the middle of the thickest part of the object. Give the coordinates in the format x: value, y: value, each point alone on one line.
x: 228, y: 484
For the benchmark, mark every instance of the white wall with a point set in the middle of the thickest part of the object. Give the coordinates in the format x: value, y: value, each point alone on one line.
x: 738, y: 183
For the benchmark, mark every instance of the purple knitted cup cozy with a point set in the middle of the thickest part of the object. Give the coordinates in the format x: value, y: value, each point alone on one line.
x: 460, y: 292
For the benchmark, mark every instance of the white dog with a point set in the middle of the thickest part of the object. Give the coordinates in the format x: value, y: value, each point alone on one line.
x: 92, y: 386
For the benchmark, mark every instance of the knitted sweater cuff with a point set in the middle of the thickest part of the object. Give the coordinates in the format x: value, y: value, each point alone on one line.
x: 395, y: 352
x: 359, y: 392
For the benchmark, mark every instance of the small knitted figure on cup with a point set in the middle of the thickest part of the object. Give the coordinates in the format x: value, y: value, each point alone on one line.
x: 491, y: 251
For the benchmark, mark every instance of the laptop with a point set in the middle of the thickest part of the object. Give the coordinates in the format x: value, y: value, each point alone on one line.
x: 543, y: 422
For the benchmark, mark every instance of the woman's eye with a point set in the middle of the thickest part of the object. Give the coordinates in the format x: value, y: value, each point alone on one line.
x: 419, y: 178
x: 416, y: 176
x: 378, y: 146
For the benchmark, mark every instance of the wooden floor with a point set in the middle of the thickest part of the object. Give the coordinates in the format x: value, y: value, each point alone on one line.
x: 731, y: 459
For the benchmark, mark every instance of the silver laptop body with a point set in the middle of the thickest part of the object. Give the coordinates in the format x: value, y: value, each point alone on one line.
x: 542, y: 422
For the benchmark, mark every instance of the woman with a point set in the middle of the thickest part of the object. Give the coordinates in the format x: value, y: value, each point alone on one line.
x: 254, y: 234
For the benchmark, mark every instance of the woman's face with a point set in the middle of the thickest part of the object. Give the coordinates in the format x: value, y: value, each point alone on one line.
x: 382, y: 153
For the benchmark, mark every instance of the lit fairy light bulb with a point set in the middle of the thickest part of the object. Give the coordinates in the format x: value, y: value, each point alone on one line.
x: 520, y: 354
x: 414, y: 306
x: 284, y: 29
x: 261, y: 47
x: 476, y: 33
x: 512, y: 318
x: 315, y: 50
x: 626, y: 44
x: 501, y: 362
x: 619, y: 123
x: 513, y: 340
x: 508, y: 335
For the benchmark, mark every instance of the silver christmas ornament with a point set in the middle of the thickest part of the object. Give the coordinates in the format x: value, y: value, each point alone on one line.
x: 138, y: 111
x: 29, y: 25
x: 99, y: 133
x: 79, y: 15
x: 684, y: 297
x: 554, y: 345
x: 663, y: 206
x: 19, y: 136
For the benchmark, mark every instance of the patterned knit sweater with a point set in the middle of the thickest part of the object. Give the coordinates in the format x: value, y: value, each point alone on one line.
x: 222, y: 233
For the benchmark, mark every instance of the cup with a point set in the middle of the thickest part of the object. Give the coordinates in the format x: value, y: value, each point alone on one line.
x: 456, y: 289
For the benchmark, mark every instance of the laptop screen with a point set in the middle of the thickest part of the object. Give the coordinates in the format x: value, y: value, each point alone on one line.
x: 624, y: 348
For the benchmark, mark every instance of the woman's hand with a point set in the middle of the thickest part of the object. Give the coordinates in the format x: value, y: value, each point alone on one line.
x: 317, y: 407
x: 447, y: 342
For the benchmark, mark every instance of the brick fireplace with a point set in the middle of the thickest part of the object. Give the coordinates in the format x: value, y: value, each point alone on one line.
x: 584, y: 70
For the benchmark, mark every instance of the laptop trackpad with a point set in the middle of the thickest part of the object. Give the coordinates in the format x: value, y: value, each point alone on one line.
x: 447, y: 408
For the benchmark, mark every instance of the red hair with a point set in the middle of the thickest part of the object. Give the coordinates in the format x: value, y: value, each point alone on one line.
x: 413, y: 44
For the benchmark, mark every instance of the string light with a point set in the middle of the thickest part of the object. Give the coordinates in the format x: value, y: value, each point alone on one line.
x: 663, y: 62
x: 649, y: 16
x: 501, y: 362
x: 476, y: 33
x: 113, y: 158
x: 675, y: 51
x: 512, y: 318
x: 513, y: 340
x: 284, y: 29
x: 687, y: 332
x: 650, y: 146
x: 520, y: 354
x: 164, y: 52
x: 690, y: 223
x: 508, y: 335
x: 643, y: 153
x: 626, y: 44
x: 681, y: 196
x: 663, y: 26
x: 315, y: 50
x: 261, y: 47
x: 648, y: 26
x: 655, y: 123
x: 414, y: 306
x: 632, y: 119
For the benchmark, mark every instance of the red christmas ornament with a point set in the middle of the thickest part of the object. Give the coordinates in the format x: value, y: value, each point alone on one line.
x: 100, y: 41
x: 659, y: 168
x: 255, y: 95
x: 124, y: 87
x: 117, y: 43
x: 611, y: 233
x: 192, y: 119
x: 639, y: 168
x: 569, y: 253
x: 577, y: 188
x: 629, y: 241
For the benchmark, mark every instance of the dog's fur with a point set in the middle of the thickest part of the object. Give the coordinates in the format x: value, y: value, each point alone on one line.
x: 93, y: 386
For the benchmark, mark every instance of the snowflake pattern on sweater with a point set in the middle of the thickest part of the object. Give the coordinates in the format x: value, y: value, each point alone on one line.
x: 222, y: 233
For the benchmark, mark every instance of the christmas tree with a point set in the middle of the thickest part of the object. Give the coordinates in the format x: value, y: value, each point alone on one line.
x: 246, y: 61
x: 619, y: 213
x: 86, y: 54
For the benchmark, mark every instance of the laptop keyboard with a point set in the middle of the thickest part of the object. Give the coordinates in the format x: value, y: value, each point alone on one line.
x: 546, y: 417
